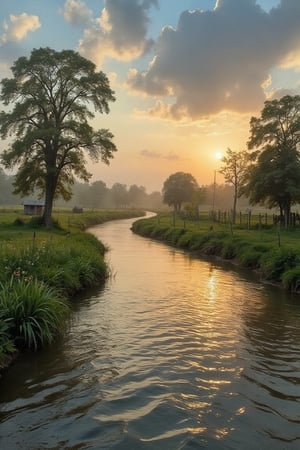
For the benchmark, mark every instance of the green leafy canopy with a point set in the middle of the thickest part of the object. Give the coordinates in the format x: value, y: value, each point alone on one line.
x: 48, y: 128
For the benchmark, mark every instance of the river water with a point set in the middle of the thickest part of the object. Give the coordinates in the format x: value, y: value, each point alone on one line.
x: 171, y: 353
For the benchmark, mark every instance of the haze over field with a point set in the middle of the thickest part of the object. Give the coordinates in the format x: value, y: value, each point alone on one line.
x: 188, y: 74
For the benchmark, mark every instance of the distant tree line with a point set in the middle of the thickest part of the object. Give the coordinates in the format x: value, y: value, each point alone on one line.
x: 90, y: 195
x: 99, y: 195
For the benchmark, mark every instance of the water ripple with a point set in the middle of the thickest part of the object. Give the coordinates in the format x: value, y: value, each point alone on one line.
x: 172, y: 354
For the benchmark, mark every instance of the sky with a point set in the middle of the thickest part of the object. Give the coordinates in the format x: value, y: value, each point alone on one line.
x: 187, y: 74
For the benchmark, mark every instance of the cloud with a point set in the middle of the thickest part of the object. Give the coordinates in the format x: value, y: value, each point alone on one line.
x: 77, y: 13
x: 171, y: 156
x: 219, y: 60
x: 120, y: 31
x: 18, y: 27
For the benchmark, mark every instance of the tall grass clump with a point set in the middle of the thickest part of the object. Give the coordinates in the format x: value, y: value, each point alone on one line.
x: 229, y: 250
x: 172, y: 235
x: 291, y: 279
x: 277, y: 261
x: 6, y: 342
x: 33, y: 312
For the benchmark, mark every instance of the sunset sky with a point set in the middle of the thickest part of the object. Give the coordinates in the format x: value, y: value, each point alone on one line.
x: 187, y: 74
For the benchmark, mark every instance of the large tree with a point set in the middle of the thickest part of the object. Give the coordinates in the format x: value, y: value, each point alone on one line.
x: 52, y: 93
x: 234, y: 169
x: 274, y: 177
x: 179, y: 188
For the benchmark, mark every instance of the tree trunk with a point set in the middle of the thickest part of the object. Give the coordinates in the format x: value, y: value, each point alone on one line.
x: 287, y: 214
x: 234, y: 206
x: 49, y: 197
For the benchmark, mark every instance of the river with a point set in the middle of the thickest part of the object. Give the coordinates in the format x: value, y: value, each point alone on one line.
x: 172, y: 352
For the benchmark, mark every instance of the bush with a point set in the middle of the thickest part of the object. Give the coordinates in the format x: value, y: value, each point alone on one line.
x: 19, y: 222
x: 36, y: 222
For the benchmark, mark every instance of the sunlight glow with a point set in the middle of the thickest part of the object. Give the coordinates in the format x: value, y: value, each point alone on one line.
x: 218, y: 155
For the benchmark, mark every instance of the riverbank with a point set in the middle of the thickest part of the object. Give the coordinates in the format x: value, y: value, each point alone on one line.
x: 275, y: 257
x: 41, y: 270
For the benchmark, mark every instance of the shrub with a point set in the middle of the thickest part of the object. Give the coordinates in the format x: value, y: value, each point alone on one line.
x: 36, y: 222
x: 19, y: 222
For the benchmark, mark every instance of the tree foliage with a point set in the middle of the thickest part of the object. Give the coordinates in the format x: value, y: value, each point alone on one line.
x: 178, y: 188
x: 234, y: 169
x: 119, y: 195
x: 274, y: 177
x: 52, y: 93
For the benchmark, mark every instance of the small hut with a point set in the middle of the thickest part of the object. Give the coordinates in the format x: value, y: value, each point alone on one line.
x: 33, y: 207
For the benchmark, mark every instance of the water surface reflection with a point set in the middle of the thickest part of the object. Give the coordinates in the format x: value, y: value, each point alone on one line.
x: 172, y: 353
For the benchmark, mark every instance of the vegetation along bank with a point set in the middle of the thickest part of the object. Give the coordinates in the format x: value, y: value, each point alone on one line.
x: 269, y: 250
x: 41, y: 269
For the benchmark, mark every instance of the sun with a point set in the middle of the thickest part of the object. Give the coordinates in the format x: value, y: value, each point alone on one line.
x: 218, y: 155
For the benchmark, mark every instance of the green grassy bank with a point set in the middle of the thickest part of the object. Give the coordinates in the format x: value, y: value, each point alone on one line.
x: 41, y: 270
x: 274, y: 253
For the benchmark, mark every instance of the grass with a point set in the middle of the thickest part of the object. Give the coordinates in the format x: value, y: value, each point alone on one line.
x: 273, y: 252
x: 33, y: 311
x: 40, y: 269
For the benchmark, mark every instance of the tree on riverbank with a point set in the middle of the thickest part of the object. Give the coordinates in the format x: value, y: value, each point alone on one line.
x: 178, y: 188
x: 274, y: 176
x: 234, y: 170
x: 52, y: 92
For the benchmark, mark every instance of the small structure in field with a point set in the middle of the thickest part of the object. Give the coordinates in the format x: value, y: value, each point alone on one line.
x: 33, y: 207
x: 77, y: 210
